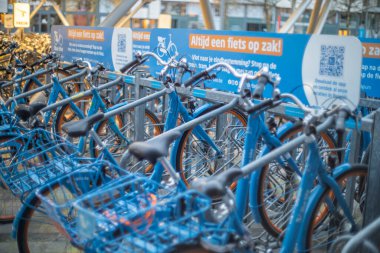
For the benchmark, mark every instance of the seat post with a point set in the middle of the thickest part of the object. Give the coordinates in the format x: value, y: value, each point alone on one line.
x: 167, y: 166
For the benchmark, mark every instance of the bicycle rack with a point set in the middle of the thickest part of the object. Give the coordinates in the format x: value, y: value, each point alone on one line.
x: 369, y: 123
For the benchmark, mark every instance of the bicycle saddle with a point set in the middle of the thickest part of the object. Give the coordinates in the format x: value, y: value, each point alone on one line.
x: 81, y: 127
x: 26, y: 111
x: 215, y: 187
x: 155, y: 148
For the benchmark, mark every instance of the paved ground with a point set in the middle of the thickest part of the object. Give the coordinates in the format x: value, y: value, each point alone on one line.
x: 7, y: 244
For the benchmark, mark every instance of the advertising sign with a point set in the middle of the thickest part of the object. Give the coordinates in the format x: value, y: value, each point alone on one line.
x: 111, y: 47
x: 141, y: 40
x: 331, y: 71
x: 21, y: 13
x: 248, y: 52
x: 371, y: 67
x: 8, y: 21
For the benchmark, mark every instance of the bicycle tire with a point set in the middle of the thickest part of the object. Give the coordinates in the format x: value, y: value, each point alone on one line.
x: 27, y: 227
x: 242, y: 120
x: 66, y: 114
x: 267, y: 219
x: 128, y: 131
x: 358, y: 173
x: 9, y: 204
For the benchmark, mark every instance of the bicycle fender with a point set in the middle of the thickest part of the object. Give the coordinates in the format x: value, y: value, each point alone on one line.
x: 22, y: 209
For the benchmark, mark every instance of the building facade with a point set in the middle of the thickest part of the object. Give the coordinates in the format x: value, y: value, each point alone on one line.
x: 355, y: 17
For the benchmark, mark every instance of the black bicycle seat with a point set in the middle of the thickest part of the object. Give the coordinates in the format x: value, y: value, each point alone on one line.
x: 155, y: 148
x: 81, y: 127
x: 26, y: 111
x: 216, y: 186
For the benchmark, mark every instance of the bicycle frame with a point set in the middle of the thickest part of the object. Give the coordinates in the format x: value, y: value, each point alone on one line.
x: 176, y: 108
x: 314, y: 169
x: 17, y: 87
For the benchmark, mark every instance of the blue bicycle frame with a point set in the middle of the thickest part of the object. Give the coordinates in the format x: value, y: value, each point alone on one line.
x: 257, y: 128
x: 17, y: 87
x: 176, y: 108
x: 314, y: 168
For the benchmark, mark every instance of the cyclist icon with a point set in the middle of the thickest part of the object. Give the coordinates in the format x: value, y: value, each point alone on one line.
x: 162, y: 49
x: 58, y: 39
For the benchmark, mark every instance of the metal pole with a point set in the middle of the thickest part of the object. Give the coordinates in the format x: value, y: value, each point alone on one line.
x: 139, y: 110
x: 221, y: 124
x: 120, y: 11
x: 353, y: 158
x: 60, y: 14
x: 372, y: 207
x: 293, y: 18
x: 125, y: 19
x: 222, y: 14
x: 314, y: 16
x: 322, y: 17
x: 207, y: 14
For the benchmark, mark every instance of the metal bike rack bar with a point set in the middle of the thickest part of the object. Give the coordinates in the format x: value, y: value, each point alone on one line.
x: 372, y: 208
x: 140, y: 92
x: 214, y: 96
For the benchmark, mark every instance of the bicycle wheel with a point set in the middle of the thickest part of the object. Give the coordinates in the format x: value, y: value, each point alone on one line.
x: 9, y: 204
x: 117, y: 146
x: 36, y: 232
x: 196, y: 158
x: 66, y: 114
x: 328, y: 222
x: 278, y: 184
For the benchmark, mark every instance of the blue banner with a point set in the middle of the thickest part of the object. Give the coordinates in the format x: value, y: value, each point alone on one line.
x: 371, y: 67
x: 111, y: 47
x: 141, y: 40
x: 250, y: 51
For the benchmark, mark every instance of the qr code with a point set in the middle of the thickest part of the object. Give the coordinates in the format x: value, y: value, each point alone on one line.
x: 121, y: 43
x: 331, y: 63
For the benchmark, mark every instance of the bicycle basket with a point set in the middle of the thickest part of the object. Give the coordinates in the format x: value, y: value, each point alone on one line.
x: 139, y: 216
x: 58, y: 196
x: 35, y: 158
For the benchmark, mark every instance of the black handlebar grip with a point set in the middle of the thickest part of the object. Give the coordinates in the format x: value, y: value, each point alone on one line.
x: 97, y: 68
x: 42, y: 60
x: 71, y: 66
x: 195, y: 78
x: 129, y: 65
x: 340, y: 121
x: 262, y: 105
x: 260, y: 86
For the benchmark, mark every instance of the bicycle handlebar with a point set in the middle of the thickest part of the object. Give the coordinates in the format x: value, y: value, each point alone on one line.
x: 140, y: 58
x: 43, y: 59
x: 129, y: 65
